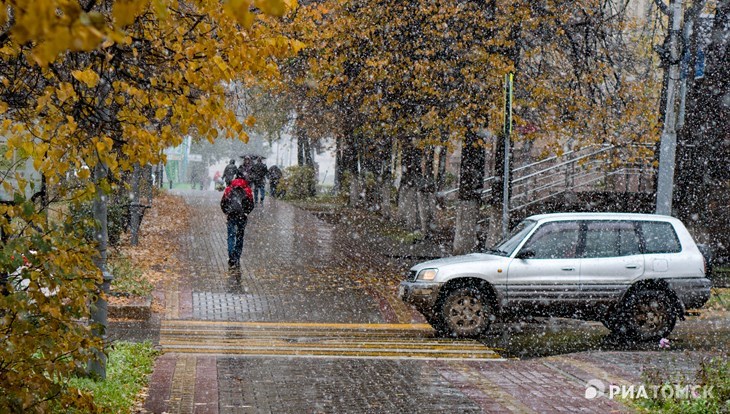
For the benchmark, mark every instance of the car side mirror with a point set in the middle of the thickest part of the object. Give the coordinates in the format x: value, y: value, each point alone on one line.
x: 526, y: 253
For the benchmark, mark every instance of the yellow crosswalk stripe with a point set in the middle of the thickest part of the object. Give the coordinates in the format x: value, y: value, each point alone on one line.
x: 387, y: 341
x: 300, y: 325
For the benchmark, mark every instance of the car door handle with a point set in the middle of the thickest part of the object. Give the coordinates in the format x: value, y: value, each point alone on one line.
x: 568, y: 269
x: 632, y: 266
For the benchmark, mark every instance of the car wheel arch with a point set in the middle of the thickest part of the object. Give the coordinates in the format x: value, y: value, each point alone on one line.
x: 652, y: 284
x: 467, y: 281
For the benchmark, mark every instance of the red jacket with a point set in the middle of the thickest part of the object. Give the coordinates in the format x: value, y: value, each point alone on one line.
x: 238, y: 182
x: 225, y: 200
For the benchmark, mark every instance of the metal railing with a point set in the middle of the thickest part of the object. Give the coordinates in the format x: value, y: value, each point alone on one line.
x: 585, y: 169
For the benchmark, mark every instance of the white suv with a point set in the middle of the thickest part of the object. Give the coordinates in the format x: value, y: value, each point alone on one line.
x: 636, y: 273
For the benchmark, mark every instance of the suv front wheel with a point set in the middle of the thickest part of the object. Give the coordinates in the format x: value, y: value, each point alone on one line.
x: 646, y: 315
x: 465, y: 313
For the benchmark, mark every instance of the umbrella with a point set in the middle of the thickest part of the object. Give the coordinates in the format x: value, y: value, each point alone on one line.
x: 253, y: 157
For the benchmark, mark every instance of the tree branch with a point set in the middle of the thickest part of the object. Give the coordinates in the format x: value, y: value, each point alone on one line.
x: 663, y: 7
x: 90, y: 5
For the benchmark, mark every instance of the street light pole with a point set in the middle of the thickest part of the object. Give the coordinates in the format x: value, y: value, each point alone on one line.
x: 508, y: 78
x: 668, y: 145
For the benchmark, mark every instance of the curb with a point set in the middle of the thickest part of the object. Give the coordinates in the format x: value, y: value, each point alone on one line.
x: 138, y: 308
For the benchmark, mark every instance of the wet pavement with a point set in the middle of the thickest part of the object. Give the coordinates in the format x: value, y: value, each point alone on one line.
x: 311, y: 324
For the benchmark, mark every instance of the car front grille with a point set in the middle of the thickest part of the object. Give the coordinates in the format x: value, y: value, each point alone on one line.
x: 412, y: 276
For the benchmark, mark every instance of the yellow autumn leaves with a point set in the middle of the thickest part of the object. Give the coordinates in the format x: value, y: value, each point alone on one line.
x: 113, y: 82
x: 167, y: 82
x: 88, y: 77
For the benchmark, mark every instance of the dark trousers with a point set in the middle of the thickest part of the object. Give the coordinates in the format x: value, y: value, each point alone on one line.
x: 274, y: 188
x: 259, y: 190
x: 236, y: 229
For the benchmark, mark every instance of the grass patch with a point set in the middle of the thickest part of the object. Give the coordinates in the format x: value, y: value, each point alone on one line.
x: 711, y: 395
x: 357, y: 217
x: 542, y: 339
x: 128, y: 370
x: 321, y: 202
x: 720, y: 276
x: 719, y: 299
x: 128, y: 279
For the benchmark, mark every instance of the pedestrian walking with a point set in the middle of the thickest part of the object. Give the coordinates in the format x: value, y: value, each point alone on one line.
x: 218, y: 183
x: 274, y: 177
x: 198, y: 174
x: 245, y: 168
x: 236, y: 203
x: 259, y: 172
x: 229, y: 173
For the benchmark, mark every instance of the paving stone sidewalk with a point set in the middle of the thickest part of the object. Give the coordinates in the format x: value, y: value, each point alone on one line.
x: 298, y: 269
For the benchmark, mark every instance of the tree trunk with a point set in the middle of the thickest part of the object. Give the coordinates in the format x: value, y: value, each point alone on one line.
x: 300, y: 144
x: 354, y: 191
x: 339, y: 166
x: 308, y: 152
x: 494, y: 225
x: 135, y: 207
x: 385, y: 197
x: 304, y: 148
x: 471, y: 179
x: 426, y: 193
x: 98, y: 311
x: 441, y: 182
x: 465, y: 231
x: 703, y: 153
x: 385, y: 178
x: 408, y: 192
x: 350, y: 166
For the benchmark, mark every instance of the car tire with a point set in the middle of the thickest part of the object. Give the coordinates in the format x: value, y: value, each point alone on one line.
x: 437, y: 325
x: 465, y: 312
x: 646, y: 315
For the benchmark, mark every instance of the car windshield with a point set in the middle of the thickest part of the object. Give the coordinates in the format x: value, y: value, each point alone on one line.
x: 510, y: 243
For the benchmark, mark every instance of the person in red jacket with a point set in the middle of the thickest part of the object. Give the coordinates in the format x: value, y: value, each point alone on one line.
x: 236, y: 203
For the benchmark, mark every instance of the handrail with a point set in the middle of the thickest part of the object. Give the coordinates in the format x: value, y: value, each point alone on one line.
x: 582, y: 184
x: 578, y: 181
x: 564, y: 163
x: 557, y: 170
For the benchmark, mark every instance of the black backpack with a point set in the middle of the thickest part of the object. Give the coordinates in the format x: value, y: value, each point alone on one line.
x: 239, y: 204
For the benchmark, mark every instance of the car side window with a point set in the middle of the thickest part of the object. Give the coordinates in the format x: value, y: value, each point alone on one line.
x: 610, y: 239
x: 557, y: 240
x: 659, y: 237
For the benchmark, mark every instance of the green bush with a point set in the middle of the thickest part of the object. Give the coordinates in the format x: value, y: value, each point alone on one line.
x: 298, y: 182
x: 713, y: 377
x: 344, y: 190
x: 128, y: 279
x: 117, y: 218
x: 47, y: 282
x: 450, y: 180
x: 128, y: 369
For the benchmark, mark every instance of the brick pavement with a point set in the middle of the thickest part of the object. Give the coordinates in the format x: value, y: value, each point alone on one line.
x: 298, y: 269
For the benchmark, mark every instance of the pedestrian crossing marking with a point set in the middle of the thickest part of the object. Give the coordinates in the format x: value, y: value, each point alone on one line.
x: 318, y: 340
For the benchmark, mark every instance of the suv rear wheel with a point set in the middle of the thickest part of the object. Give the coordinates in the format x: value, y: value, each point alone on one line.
x: 646, y: 315
x: 465, y: 312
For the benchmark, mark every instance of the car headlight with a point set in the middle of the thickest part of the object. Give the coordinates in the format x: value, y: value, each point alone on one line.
x: 427, y: 274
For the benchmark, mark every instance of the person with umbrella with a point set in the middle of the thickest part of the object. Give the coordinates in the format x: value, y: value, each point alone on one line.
x: 274, y: 177
x: 229, y: 173
x: 259, y: 172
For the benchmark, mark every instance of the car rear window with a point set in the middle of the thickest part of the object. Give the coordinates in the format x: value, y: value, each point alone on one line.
x: 611, y: 239
x: 659, y: 237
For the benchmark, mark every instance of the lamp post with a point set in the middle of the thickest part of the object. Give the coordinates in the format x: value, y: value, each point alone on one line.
x: 668, y: 145
x: 508, y: 79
